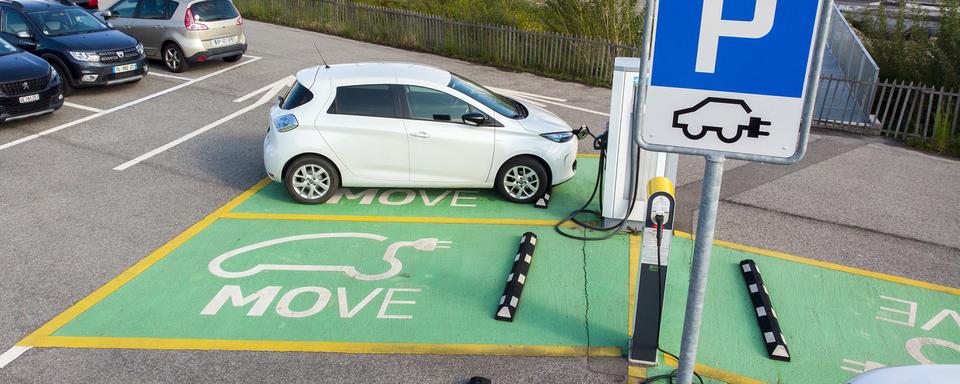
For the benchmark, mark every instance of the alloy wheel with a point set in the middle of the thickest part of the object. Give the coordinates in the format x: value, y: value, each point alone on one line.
x: 521, y: 182
x: 172, y: 58
x: 311, y: 181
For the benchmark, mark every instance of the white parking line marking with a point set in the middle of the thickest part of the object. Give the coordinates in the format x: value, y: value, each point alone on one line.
x: 169, y: 76
x: 122, y: 106
x: 83, y: 107
x: 545, y: 100
x: 268, y: 91
x: 12, y: 354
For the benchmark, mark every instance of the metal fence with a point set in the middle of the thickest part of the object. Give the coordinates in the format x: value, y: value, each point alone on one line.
x: 900, y: 110
x: 557, y: 55
x: 850, y: 61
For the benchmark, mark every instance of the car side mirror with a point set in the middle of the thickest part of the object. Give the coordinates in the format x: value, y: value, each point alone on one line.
x: 475, y: 119
x: 106, y: 14
x: 25, y: 35
x: 279, y: 100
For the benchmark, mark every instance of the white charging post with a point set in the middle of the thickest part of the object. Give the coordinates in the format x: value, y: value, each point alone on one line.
x: 622, y: 152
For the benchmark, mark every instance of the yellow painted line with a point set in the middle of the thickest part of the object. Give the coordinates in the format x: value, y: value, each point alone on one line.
x: 71, y: 313
x: 634, y: 371
x: 716, y: 374
x: 828, y: 265
x: 310, y: 346
x: 634, y: 266
x: 384, y: 219
x: 589, y: 155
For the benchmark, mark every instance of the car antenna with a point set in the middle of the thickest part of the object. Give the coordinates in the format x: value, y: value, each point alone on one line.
x: 317, y: 46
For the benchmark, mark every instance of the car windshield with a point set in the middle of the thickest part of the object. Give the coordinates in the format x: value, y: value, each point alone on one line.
x: 6, y: 48
x: 492, y: 100
x: 214, y: 10
x: 67, y: 22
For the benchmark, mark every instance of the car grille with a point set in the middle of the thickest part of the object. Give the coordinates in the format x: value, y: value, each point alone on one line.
x: 24, y: 87
x: 22, y: 109
x: 129, y: 54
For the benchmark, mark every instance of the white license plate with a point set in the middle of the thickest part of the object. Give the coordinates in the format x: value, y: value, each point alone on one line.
x: 223, y: 41
x: 124, y: 68
x: 29, y: 99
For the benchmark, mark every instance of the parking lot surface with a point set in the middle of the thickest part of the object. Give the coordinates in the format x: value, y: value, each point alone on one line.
x: 111, y: 212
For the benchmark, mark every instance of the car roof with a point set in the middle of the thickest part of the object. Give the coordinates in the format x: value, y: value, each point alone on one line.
x: 384, y: 73
x: 38, y: 5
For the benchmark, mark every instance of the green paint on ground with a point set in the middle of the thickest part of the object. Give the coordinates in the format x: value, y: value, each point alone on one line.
x: 829, y: 318
x: 456, y: 290
x: 478, y: 203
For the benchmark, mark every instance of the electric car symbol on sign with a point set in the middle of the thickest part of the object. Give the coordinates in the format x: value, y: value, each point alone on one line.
x: 717, y: 109
x: 410, y: 125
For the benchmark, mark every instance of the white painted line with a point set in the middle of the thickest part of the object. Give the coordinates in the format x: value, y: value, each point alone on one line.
x: 534, y: 95
x: 529, y: 100
x: 83, y: 107
x: 12, y: 354
x: 253, y: 57
x: 268, y: 93
x: 169, y: 76
x: 122, y: 106
x: 538, y: 100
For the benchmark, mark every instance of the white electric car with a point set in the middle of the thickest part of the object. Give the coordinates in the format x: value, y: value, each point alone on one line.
x: 409, y: 125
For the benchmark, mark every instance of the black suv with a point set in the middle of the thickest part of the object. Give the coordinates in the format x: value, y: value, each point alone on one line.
x: 83, y: 49
x: 28, y: 85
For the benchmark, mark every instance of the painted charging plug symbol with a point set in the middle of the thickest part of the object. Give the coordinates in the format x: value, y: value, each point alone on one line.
x: 703, y: 109
x: 389, y: 256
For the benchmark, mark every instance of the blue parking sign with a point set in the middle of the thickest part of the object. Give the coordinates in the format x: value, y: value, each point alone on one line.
x: 773, y: 64
x: 730, y: 75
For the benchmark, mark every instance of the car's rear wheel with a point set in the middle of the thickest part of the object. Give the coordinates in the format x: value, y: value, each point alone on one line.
x: 173, y: 58
x: 233, y: 59
x: 311, y: 180
x: 522, y: 180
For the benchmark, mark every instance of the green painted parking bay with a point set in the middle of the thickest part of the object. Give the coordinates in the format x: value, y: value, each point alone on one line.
x: 414, y: 284
x: 433, y: 203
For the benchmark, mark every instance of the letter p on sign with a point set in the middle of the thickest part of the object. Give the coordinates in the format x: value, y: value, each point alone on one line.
x: 713, y: 26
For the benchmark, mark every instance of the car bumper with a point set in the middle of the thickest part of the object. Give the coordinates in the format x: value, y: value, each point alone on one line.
x: 563, y: 162
x: 93, y: 74
x: 51, y: 99
x: 273, y: 159
x: 217, y: 53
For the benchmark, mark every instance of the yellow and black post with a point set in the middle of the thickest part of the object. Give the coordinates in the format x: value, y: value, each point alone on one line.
x: 654, y: 256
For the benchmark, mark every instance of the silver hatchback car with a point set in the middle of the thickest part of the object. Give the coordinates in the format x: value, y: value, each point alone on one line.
x: 182, y: 32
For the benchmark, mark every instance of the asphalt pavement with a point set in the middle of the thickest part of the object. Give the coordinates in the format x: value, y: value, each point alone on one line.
x: 71, y: 222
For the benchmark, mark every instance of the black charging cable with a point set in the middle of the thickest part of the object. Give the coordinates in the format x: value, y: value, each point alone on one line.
x: 612, y: 230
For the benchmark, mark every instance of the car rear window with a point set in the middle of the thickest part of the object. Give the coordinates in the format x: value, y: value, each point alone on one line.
x: 214, y: 10
x: 365, y: 100
x: 299, y: 95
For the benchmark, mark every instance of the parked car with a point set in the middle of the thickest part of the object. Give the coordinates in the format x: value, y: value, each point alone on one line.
x: 182, y: 32
x: 28, y: 85
x: 408, y: 125
x: 81, y: 48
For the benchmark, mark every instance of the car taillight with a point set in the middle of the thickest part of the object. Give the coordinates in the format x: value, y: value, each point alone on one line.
x: 92, y: 4
x: 191, y: 24
x: 239, y: 20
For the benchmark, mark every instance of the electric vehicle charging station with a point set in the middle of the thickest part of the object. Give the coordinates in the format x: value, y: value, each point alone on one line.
x: 654, y: 258
x: 625, y: 180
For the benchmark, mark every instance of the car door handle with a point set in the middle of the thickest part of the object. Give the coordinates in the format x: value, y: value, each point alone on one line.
x: 158, y: 26
x: 421, y: 134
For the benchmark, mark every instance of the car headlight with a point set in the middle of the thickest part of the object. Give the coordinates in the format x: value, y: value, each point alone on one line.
x: 140, y: 48
x: 85, y: 56
x: 558, y: 137
x: 53, y: 74
x: 285, y: 123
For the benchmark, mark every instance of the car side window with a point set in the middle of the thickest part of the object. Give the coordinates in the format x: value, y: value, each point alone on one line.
x: 171, y: 8
x: 365, y: 100
x: 430, y: 104
x: 125, y: 8
x: 152, y: 9
x: 13, y: 22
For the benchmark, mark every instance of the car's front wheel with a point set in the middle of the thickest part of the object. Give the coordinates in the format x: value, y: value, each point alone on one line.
x: 522, y: 180
x: 311, y: 180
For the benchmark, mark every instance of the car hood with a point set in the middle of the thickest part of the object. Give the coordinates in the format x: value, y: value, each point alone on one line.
x: 542, y: 121
x: 96, y: 41
x: 22, y: 66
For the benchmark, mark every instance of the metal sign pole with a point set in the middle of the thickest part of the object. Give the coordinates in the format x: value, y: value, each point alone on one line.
x: 700, y: 268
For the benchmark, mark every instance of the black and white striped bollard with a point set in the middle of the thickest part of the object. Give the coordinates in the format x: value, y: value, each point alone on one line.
x: 510, y: 301
x: 766, y: 317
